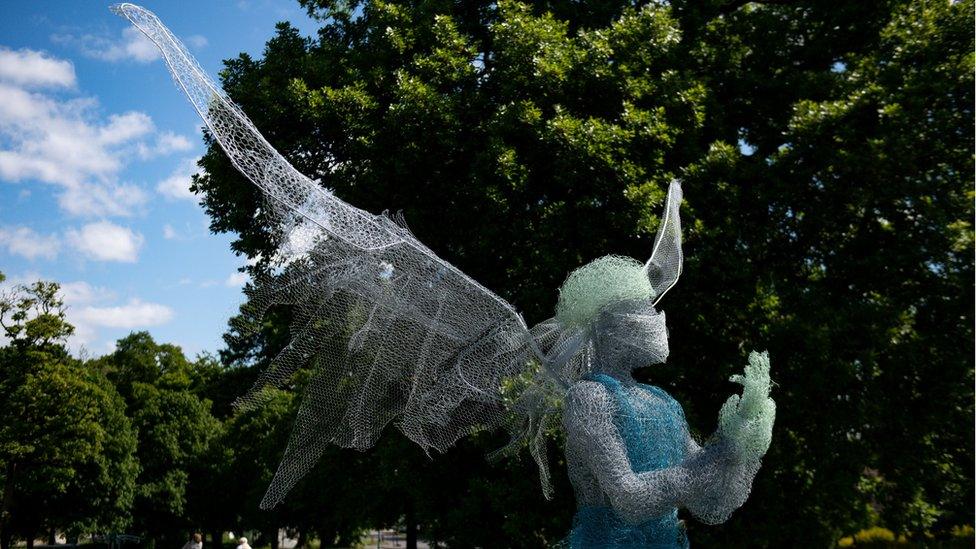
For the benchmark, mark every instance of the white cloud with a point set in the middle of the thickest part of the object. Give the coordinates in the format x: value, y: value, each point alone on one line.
x: 177, y: 185
x: 90, y: 308
x: 79, y: 293
x: 122, y: 128
x: 107, y: 199
x: 31, y: 68
x: 106, y: 241
x: 26, y: 242
x: 169, y: 233
x: 166, y: 143
x: 61, y: 143
x: 236, y: 280
x: 68, y: 143
x: 197, y: 41
x: 130, y: 45
x: 134, y: 314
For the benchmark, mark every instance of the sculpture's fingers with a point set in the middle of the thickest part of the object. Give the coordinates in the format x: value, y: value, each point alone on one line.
x: 759, y: 365
x: 753, y: 394
x: 759, y: 359
x: 728, y: 422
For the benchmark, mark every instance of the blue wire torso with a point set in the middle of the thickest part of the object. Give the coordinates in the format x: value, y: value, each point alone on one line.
x: 655, y: 432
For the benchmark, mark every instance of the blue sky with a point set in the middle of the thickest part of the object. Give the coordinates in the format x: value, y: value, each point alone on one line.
x: 96, y: 151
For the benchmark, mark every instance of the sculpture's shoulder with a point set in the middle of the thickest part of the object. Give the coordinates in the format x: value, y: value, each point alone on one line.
x: 585, y: 393
x: 658, y: 393
x: 586, y: 402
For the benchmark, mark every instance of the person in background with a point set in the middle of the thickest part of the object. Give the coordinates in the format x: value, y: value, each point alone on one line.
x: 242, y: 544
x: 195, y: 542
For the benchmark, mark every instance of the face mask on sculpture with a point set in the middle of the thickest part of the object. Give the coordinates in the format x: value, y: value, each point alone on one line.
x: 629, y: 335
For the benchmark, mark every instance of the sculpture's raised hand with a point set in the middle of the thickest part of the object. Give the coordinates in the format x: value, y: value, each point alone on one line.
x: 747, y: 421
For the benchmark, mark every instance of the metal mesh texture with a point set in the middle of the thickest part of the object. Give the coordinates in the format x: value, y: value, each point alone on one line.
x: 391, y: 333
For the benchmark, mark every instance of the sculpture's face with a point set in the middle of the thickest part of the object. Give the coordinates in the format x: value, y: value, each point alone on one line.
x: 630, y: 335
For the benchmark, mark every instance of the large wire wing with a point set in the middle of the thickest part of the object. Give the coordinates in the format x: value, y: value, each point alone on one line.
x: 389, y: 331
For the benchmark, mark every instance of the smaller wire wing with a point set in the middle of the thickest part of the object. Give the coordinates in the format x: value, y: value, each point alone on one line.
x: 664, y: 266
x: 388, y: 331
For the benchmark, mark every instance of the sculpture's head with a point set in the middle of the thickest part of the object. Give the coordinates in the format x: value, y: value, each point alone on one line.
x: 613, y: 298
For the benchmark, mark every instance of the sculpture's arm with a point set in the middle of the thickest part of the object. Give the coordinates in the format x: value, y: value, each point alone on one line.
x: 718, y: 481
x: 591, y: 431
x: 722, y: 471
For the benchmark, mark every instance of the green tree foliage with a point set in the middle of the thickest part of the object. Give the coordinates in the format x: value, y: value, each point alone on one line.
x: 175, y: 429
x: 66, y: 447
x: 257, y: 439
x: 852, y: 216
x: 826, y: 150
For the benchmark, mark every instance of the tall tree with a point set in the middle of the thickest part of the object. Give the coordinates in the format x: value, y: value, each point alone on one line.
x: 850, y: 222
x: 175, y: 429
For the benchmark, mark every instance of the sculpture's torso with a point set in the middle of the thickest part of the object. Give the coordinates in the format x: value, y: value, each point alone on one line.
x: 653, y: 428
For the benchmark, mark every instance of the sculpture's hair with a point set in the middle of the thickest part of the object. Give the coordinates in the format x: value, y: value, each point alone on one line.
x: 599, y: 284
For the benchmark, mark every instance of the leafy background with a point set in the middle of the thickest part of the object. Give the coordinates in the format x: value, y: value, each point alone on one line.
x: 826, y: 151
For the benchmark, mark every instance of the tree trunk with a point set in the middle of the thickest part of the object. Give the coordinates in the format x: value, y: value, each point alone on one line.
x: 30, y: 541
x: 6, y: 507
x: 327, y: 535
x: 272, y: 535
x: 411, y: 520
x: 216, y: 539
x: 52, y: 537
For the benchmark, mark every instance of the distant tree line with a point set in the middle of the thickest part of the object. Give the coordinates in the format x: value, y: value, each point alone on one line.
x: 826, y: 151
x: 141, y: 440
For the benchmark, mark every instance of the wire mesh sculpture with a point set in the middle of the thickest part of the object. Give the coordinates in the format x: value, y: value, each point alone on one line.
x: 395, y: 334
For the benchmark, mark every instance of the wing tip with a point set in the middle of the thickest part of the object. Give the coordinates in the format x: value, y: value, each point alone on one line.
x: 269, y: 501
x: 124, y: 9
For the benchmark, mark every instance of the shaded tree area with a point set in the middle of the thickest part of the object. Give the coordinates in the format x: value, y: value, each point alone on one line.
x: 175, y: 429
x: 826, y: 152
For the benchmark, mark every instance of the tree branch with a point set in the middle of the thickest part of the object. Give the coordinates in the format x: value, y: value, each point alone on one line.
x: 734, y: 6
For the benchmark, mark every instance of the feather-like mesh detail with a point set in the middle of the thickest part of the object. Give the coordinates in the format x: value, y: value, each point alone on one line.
x: 391, y: 332
x: 666, y: 261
